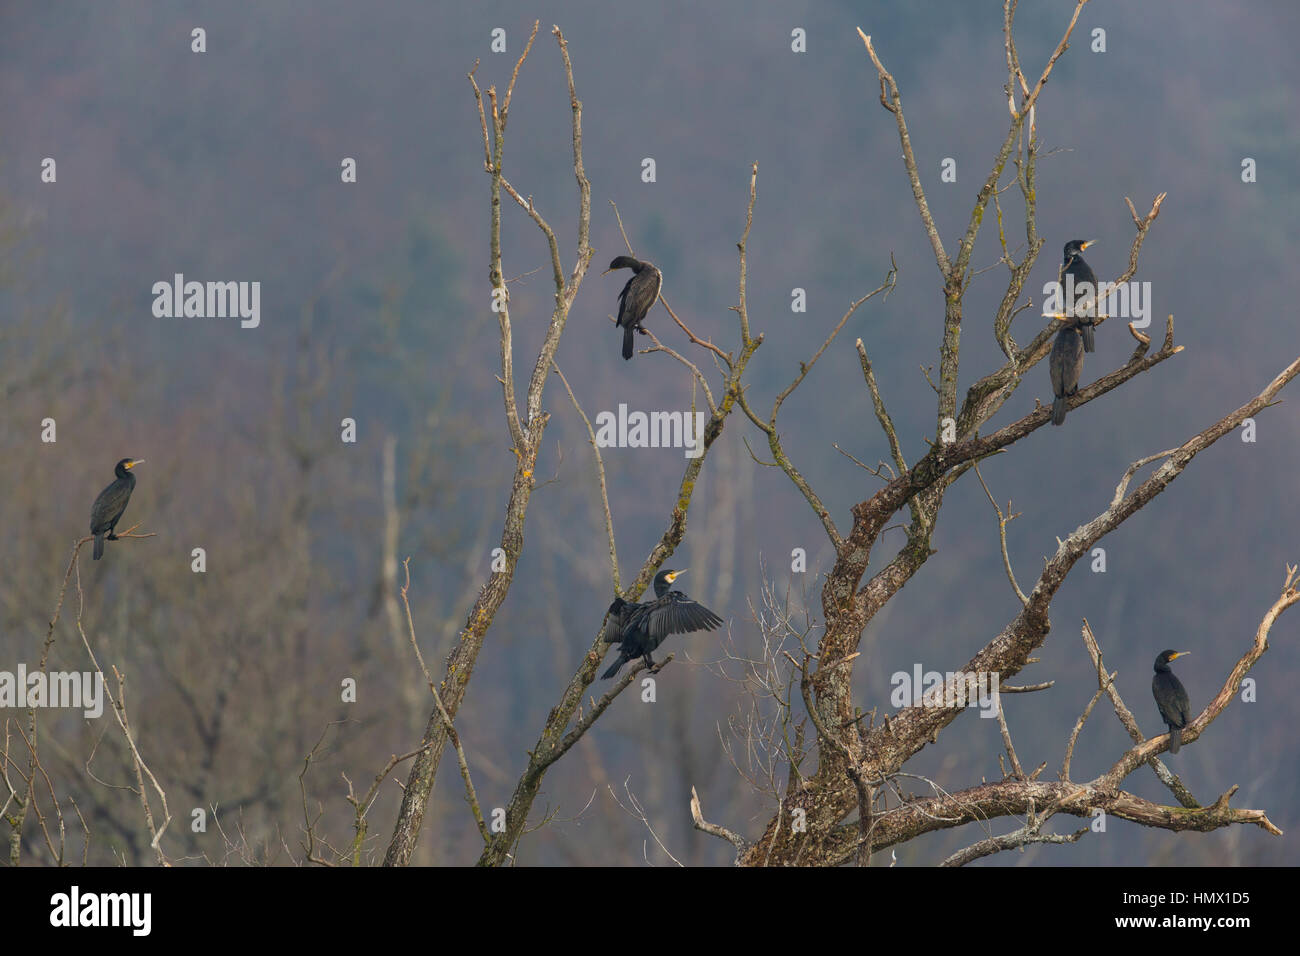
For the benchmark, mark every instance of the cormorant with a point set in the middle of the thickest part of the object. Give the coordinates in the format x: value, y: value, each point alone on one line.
x: 640, y: 628
x: 110, y: 504
x: 637, y: 297
x: 1171, y: 698
x: 1066, y: 364
x: 1084, y: 307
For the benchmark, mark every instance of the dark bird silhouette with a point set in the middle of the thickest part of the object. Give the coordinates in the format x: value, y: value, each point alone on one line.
x: 640, y: 628
x: 110, y: 504
x: 1171, y: 698
x: 1084, y: 307
x: 637, y: 297
x: 1065, y: 364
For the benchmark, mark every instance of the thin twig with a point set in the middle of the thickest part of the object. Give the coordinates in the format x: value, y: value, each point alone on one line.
x: 600, y: 474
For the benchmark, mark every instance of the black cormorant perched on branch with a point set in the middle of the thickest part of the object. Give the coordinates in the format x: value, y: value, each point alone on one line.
x: 640, y: 628
x: 637, y: 297
x: 1065, y: 364
x: 1083, y: 308
x: 1171, y: 698
x: 110, y: 504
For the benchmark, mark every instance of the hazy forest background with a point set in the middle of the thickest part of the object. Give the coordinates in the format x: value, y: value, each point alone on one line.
x: 375, y: 301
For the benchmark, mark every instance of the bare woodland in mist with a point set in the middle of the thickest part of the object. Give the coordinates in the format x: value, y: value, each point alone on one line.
x: 231, y: 679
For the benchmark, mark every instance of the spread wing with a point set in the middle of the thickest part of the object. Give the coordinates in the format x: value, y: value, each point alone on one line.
x: 674, y: 613
x: 640, y: 628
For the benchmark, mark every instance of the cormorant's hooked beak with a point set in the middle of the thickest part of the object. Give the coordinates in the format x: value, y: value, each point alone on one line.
x: 607, y: 272
x: 133, y: 462
x: 677, y: 574
x: 1178, y: 655
x: 1090, y: 242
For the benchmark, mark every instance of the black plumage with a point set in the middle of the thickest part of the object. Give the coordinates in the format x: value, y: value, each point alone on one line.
x: 637, y: 297
x: 1171, y: 698
x: 108, y: 507
x: 1083, y: 308
x: 1066, y: 365
x: 640, y: 628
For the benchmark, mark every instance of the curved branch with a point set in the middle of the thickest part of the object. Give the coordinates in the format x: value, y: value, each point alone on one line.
x: 885, y: 749
x: 912, y: 727
x: 1231, y: 687
x: 1010, y: 797
x: 713, y: 829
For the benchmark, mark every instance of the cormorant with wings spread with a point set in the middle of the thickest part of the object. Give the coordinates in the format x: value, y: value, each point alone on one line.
x: 640, y: 628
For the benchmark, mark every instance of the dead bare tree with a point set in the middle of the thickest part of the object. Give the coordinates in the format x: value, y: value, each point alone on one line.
x: 557, y: 737
x: 857, y: 763
x: 26, y: 797
x: 526, y: 434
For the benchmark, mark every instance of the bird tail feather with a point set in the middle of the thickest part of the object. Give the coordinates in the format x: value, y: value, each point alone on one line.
x: 1058, y: 411
x: 99, y: 546
x: 628, y: 332
x: 1089, y: 341
x: 613, y: 669
x: 1175, y: 739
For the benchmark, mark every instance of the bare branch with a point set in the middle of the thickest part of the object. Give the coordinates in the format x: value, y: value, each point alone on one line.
x: 1016, y: 770
x: 886, y: 748
x: 1231, y: 687
x: 1002, y: 536
x: 1125, y: 716
x: 527, y: 438
x: 138, y: 765
x: 892, y: 100
x: 882, y: 415
x: 713, y: 829
x: 600, y: 474
x: 471, y: 796
x: 1028, y: 834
